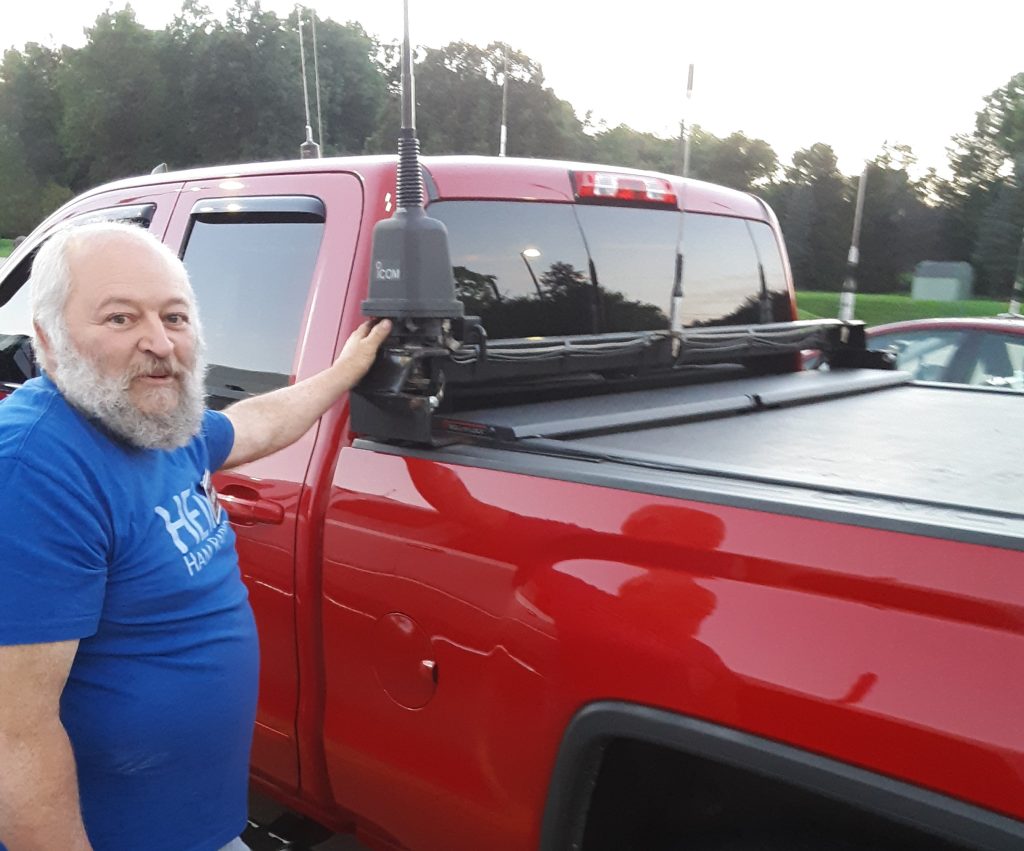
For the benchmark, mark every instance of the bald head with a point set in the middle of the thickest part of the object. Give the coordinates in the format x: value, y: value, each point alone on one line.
x: 56, y: 270
x: 117, y: 331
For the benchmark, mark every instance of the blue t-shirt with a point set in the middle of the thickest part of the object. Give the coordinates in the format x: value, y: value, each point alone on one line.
x: 127, y: 551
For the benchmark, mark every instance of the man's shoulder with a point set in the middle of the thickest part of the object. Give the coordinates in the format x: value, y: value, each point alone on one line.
x: 38, y: 426
x: 218, y: 434
x: 31, y: 413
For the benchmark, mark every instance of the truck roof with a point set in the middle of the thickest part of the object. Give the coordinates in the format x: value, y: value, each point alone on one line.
x: 478, y: 177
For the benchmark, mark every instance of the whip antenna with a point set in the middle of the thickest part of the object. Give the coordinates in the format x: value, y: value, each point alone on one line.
x: 1018, y: 284
x: 316, y: 80
x: 503, y: 137
x: 308, y: 149
x: 410, y: 265
x: 686, y: 130
x: 848, y: 294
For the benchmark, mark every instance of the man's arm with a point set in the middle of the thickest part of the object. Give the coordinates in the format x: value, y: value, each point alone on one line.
x: 275, y: 420
x: 39, y: 808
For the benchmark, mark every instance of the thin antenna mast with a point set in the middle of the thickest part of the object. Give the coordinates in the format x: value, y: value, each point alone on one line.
x: 410, y: 265
x: 687, y: 128
x: 316, y: 78
x: 504, y: 107
x: 675, y: 318
x: 1018, y: 283
x: 308, y: 149
x: 848, y: 296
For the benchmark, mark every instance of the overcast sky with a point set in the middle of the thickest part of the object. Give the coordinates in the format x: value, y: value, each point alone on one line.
x: 851, y: 74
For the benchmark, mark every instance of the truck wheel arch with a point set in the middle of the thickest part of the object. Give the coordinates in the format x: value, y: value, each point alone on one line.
x: 596, y: 726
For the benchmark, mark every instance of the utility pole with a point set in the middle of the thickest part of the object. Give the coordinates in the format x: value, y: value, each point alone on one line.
x: 504, y: 107
x: 848, y: 296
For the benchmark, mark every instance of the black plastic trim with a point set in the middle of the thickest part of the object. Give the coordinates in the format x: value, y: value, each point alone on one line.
x: 596, y: 725
x: 305, y: 207
x: 141, y: 214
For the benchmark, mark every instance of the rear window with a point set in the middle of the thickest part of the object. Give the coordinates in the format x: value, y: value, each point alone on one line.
x: 535, y: 269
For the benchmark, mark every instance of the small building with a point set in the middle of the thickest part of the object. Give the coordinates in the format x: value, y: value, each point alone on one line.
x: 942, y: 281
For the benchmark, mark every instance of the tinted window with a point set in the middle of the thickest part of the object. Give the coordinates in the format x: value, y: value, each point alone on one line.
x: 251, y: 280
x: 769, y: 253
x: 531, y: 269
x: 521, y: 267
x: 634, y: 253
x: 723, y: 259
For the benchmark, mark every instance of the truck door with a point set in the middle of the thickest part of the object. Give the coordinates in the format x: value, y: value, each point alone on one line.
x: 260, y: 251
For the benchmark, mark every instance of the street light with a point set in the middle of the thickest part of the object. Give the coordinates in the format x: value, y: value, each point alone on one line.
x: 526, y: 254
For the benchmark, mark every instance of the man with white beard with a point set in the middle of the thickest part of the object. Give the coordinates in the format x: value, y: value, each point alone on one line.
x: 128, y: 681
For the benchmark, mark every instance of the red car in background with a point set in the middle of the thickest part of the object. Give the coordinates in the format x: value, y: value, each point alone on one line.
x: 980, y: 352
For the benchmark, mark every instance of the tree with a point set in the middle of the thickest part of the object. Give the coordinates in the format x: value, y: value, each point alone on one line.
x: 32, y: 163
x: 816, y: 214
x: 1001, y: 122
x: 18, y: 209
x: 899, y: 227
x: 353, y: 86
x: 117, y: 108
x: 983, y: 199
x: 30, y: 106
x: 737, y: 161
x: 623, y: 145
x: 240, y: 86
x: 999, y: 237
x: 974, y: 164
x: 458, y: 95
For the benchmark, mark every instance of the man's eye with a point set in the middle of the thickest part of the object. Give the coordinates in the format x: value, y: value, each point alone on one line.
x: 176, y: 319
x: 118, y: 319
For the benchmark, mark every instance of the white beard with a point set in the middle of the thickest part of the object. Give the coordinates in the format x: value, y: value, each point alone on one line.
x: 106, y: 399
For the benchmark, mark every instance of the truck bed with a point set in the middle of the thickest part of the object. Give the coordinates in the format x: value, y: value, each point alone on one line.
x: 864, y: 447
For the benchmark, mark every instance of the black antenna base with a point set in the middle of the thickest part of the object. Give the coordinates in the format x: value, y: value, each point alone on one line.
x: 411, y: 269
x: 309, y: 150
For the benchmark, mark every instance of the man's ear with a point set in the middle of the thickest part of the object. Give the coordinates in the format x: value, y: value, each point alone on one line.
x: 44, y: 351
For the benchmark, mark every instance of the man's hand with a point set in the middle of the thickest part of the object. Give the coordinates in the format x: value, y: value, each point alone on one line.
x: 275, y: 420
x: 359, y: 351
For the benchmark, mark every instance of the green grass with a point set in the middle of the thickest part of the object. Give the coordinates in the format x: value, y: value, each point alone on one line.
x: 873, y: 309
x: 6, y: 247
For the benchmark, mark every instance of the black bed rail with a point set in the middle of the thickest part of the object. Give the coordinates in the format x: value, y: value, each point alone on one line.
x: 409, y: 383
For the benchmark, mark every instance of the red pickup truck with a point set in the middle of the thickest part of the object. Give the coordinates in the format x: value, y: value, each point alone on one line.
x: 632, y: 580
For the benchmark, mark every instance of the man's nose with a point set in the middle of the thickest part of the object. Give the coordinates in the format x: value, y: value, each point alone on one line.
x: 155, y: 340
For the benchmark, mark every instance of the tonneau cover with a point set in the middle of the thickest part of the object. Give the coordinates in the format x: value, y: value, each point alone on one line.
x: 863, y: 446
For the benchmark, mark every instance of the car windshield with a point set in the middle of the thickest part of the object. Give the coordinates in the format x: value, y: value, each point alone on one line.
x: 976, y: 357
x: 926, y: 355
